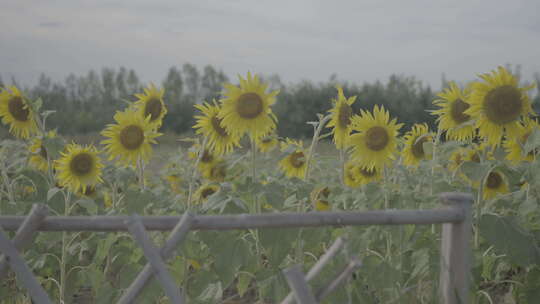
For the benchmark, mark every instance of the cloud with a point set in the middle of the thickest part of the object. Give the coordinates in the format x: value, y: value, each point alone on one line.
x: 358, y: 40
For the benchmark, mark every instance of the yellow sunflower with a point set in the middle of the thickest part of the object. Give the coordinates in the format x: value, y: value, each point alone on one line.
x: 295, y: 163
x: 130, y: 138
x: 267, y: 143
x: 452, y: 119
x: 356, y: 175
x: 319, y: 198
x: 89, y: 192
x: 514, y: 146
x: 247, y: 108
x: 215, y: 171
x: 39, y: 157
x: 376, y: 142
x: 79, y: 168
x: 174, y: 182
x: 495, y: 184
x: 498, y: 104
x: 209, y: 124
x: 413, y: 152
x: 151, y: 104
x: 457, y: 158
x: 341, y: 115
x: 16, y: 112
x: 205, y: 191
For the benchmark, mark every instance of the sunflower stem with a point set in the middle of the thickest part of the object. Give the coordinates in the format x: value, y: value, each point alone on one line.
x: 63, y: 257
x: 434, y: 158
x: 194, y: 172
x: 140, y: 167
x: 314, y: 142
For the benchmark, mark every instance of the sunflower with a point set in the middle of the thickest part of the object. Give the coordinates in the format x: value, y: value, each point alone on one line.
x: 457, y: 158
x: 215, y: 171
x: 357, y: 175
x: 494, y: 184
x: 16, y: 112
x: 39, y: 156
x: 151, y: 104
x: 451, y: 116
x: 130, y: 138
x: 247, y: 108
x: 515, y: 146
x: 174, y: 182
x: 89, y: 192
x: 79, y: 167
x: 209, y: 124
x: 498, y: 104
x: 376, y: 142
x: 267, y: 143
x: 319, y: 198
x: 350, y: 173
x: 295, y: 163
x: 341, y: 115
x: 205, y: 191
x: 414, y: 152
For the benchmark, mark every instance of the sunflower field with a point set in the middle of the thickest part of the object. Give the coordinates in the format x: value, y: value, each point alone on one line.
x: 487, y: 143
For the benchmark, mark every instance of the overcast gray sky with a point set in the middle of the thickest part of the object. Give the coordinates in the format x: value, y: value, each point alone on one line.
x: 358, y: 40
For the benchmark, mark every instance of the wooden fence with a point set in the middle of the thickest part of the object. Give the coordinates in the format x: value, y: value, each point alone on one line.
x: 454, y: 215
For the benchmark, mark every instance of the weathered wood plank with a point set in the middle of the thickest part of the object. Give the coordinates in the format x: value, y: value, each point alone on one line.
x: 25, y: 233
x: 153, y: 255
x: 319, y: 265
x: 456, y: 250
x: 246, y: 221
x: 300, y: 288
x: 175, y: 238
x: 24, y: 274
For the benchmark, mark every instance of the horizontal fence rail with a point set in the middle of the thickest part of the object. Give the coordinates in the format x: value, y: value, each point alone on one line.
x: 244, y: 221
x: 455, y: 217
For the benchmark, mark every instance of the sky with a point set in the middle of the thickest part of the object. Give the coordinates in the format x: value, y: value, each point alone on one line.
x: 360, y: 41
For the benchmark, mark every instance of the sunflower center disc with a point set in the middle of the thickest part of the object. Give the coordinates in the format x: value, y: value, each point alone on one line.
x: 216, y: 123
x: 297, y: 159
x: 367, y: 173
x: 418, y: 147
x: 376, y: 138
x: 152, y: 108
x: 132, y: 137
x: 81, y: 164
x: 503, y: 104
x: 345, y: 113
x: 249, y: 106
x: 494, y: 180
x: 207, y: 157
x: 17, y: 109
x: 207, y: 192
x: 457, y: 109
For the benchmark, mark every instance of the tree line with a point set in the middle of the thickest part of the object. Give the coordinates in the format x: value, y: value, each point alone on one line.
x: 85, y: 104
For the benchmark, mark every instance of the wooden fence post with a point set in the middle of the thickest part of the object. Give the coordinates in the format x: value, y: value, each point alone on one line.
x: 456, y: 251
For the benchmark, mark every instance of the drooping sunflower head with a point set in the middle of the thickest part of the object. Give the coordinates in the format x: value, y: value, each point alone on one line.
x: 210, y: 125
x: 451, y: 115
x: 494, y: 184
x: 319, y: 198
x: 130, y: 138
x: 294, y: 164
x: 174, y: 182
x: 39, y: 157
x: 267, y: 143
x: 375, y: 143
x: 205, y: 191
x: 457, y: 158
x: 498, y: 104
x: 79, y: 167
x: 356, y: 175
x: 515, y: 147
x: 413, y: 152
x: 89, y: 192
x: 246, y: 109
x: 341, y: 115
x: 16, y: 112
x: 151, y: 104
x: 215, y: 171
